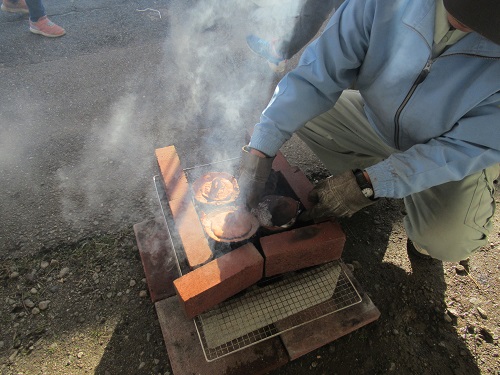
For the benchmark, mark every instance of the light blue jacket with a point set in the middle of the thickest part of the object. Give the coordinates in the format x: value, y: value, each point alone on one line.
x: 447, y: 126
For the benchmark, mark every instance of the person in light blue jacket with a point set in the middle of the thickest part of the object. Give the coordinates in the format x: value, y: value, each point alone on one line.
x: 423, y: 124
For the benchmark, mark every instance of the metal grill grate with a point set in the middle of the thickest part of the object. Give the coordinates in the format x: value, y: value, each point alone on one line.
x: 311, y: 300
x: 264, y: 312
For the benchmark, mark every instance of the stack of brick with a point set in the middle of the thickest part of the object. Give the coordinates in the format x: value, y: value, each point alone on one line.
x: 186, y: 219
x: 212, y: 281
x: 301, y: 248
x: 216, y: 281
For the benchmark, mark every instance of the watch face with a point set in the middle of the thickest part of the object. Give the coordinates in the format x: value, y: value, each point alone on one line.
x: 367, y: 192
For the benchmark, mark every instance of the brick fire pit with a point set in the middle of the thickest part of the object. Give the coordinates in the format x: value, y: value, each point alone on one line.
x: 290, y: 288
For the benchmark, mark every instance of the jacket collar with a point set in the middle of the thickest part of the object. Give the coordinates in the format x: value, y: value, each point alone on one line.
x: 420, y: 16
x: 475, y: 44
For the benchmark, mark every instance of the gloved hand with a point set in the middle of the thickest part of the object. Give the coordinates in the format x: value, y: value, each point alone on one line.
x: 254, y: 172
x: 336, y: 196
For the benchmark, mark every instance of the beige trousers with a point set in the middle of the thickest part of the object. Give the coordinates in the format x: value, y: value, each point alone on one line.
x: 450, y: 221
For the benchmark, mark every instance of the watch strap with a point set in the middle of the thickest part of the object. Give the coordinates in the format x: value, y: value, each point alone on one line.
x: 362, y: 182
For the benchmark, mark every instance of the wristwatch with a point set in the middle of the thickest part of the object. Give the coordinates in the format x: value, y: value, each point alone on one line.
x: 365, y: 185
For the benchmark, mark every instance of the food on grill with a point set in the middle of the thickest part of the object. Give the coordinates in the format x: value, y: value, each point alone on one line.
x: 216, y: 188
x: 231, y: 225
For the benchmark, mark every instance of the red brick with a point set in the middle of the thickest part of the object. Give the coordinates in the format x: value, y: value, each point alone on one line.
x: 173, y: 177
x: 311, y: 336
x: 205, y: 287
x: 186, y: 356
x: 158, y: 258
x: 296, y: 179
x: 302, y: 247
x: 191, y: 232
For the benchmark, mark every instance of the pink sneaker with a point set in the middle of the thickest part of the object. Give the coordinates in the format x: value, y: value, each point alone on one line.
x: 46, y: 27
x: 14, y: 7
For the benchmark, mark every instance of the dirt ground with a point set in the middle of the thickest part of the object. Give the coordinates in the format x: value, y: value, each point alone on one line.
x: 83, y: 308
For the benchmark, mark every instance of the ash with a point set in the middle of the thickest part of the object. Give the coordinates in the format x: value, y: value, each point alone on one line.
x: 262, y: 213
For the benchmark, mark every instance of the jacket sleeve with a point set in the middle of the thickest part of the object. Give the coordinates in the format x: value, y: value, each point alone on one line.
x: 327, y: 67
x: 472, y: 145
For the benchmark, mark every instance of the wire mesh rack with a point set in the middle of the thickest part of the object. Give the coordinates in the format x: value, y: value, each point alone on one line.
x: 264, y: 312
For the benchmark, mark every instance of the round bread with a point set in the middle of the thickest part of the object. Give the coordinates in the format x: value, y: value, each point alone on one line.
x: 231, y: 225
x: 216, y: 188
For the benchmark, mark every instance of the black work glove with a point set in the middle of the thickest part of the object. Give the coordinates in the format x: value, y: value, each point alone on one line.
x: 254, y: 172
x: 336, y: 196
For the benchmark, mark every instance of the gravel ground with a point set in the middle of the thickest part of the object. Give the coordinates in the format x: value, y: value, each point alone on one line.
x: 83, y: 308
x: 72, y: 305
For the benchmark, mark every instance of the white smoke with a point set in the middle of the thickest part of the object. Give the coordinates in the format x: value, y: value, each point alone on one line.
x: 214, y: 89
x: 200, y: 93
x: 223, y: 85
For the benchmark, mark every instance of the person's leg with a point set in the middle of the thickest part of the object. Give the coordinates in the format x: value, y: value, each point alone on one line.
x: 452, y: 220
x: 39, y: 22
x: 307, y: 25
x: 313, y: 14
x: 36, y: 9
x: 449, y: 221
x: 342, y: 138
x: 14, y: 6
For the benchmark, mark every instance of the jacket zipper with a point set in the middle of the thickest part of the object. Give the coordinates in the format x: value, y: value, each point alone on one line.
x: 421, y: 77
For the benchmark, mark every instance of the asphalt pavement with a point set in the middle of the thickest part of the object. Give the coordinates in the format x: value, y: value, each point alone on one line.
x: 81, y: 115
